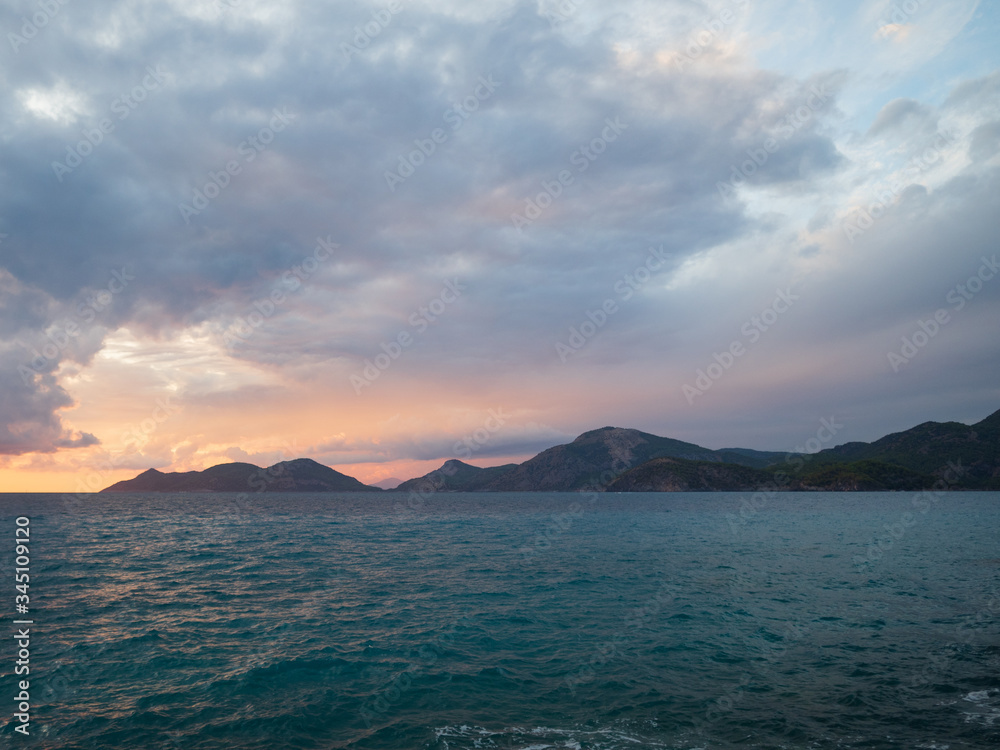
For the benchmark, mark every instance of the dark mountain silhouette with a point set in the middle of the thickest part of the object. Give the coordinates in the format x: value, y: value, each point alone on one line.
x: 624, y: 460
x: 388, y: 484
x: 682, y: 475
x: 608, y: 451
x: 594, y: 458
x: 928, y: 449
x: 864, y: 476
x: 749, y: 457
x: 300, y: 475
x: 456, y: 476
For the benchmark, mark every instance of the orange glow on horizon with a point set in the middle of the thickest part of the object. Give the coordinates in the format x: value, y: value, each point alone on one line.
x: 26, y: 480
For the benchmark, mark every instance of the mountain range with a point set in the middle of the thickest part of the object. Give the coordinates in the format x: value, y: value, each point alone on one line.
x: 616, y: 459
x: 300, y: 475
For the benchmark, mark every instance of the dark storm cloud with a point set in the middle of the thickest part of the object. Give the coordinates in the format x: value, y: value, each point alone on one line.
x: 29, y: 406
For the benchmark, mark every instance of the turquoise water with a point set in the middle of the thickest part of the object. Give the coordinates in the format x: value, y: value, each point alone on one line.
x: 511, y: 621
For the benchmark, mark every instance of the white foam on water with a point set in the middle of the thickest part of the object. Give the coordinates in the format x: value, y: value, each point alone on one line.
x: 986, y: 706
x: 977, y: 697
x: 542, y: 738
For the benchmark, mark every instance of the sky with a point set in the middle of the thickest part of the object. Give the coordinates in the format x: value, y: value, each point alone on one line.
x: 382, y: 235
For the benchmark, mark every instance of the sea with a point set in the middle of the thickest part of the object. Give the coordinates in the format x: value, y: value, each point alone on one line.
x: 522, y: 621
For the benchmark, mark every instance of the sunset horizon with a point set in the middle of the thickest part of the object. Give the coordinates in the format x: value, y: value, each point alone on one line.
x: 472, y: 449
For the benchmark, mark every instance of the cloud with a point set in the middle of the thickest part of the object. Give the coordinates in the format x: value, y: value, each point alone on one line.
x: 984, y: 142
x: 978, y: 94
x: 425, y: 442
x: 262, y: 118
x: 30, y: 403
x: 893, y: 30
x: 900, y: 113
